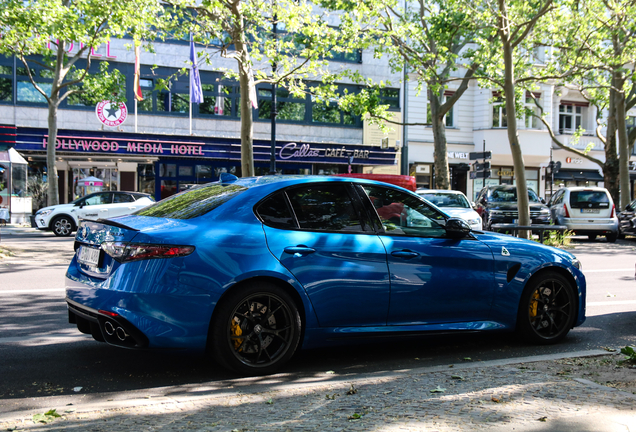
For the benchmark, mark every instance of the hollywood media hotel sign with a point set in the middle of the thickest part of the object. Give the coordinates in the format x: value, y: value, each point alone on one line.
x: 105, y: 145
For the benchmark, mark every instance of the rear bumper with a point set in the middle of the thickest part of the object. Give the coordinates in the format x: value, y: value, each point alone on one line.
x: 114, y: 330
x: 592, y: 226
x: 152, y: 316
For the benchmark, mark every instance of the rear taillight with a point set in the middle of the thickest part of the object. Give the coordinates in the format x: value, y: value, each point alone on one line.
x: 613, y: 210
x: 125, y: 252
x: 565, y: 209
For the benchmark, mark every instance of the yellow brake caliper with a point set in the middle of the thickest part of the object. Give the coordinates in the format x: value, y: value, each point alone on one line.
x: 534, y: 304
x: 236, y: 331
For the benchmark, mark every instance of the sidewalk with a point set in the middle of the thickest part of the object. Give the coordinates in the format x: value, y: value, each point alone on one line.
x: 486, y: 396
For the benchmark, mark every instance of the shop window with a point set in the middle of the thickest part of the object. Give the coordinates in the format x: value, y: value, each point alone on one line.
x: 186, y: 171
x: 167, y: 170
x: 203, y: 173
x: 146, y: 178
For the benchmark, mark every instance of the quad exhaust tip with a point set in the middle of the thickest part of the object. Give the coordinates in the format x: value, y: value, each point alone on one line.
x: 118, y: 331
x: 109, y: 328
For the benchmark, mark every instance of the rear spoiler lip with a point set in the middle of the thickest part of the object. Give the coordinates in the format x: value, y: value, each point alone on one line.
x: 115, y: 224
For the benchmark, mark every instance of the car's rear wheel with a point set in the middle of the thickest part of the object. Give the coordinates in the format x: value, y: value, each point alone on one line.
x: 62, y: 226
x: 256, y: 329
x: 547, y: 309
x: 611, y: 238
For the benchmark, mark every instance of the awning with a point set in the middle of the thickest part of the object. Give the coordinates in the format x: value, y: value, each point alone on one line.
x: 578, y: 175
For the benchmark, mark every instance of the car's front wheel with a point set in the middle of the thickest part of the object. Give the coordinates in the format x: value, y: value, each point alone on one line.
x: 62, y: 226
x: 547, y: 309
x: 256, y: 329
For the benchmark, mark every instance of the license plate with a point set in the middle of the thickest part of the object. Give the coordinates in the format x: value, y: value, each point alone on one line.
x: 88, y: 256
x: 590, y: 210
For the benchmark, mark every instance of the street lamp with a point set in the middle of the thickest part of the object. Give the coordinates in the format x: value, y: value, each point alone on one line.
x: 272, y: 156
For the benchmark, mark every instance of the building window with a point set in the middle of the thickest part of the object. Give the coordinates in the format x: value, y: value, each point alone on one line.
x: 499, y: 118
x: 570, y: 118
x: 529, y: 120
x: 6, y: 83
x: 288, y: 106
x: 448, y: 118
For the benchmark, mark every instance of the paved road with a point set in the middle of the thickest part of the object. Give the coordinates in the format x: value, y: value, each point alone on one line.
x: 42, y: 355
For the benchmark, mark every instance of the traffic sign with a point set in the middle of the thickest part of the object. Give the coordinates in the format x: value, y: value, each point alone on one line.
x: 480, y: 174
x: 480, y: 155
x: 482, y: 166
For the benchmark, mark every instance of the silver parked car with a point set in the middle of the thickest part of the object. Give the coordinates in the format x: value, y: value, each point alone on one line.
x: 585, y: 210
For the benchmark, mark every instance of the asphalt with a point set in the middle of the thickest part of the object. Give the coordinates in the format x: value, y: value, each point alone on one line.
x: 499, y: 395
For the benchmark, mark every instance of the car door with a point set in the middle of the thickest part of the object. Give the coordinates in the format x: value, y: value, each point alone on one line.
x: 96, y: 206
x: 123, y: 204
x: 434, y: 279
x: 319, y: 233
x: 626, y: 218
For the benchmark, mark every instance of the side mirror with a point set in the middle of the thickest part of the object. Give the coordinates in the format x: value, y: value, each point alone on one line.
x: 542, y: 200
x: 473, y: 205
x: 457, y: 228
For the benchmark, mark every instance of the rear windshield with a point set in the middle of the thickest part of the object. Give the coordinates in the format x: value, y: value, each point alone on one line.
x: 589, y: 199
x: 192, y: 203
x: 446, y: 200
x: 510, y: 195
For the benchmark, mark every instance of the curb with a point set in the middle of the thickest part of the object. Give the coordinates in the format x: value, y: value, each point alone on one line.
x: 255, y: 385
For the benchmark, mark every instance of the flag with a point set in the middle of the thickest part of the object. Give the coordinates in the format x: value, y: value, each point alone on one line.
x: 220, y: 101
x: 252, y: 91
x: 196, y: 92
x: 137, y: 88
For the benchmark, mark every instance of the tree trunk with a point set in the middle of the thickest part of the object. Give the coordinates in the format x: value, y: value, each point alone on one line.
x: 442, y: 174
x: 246, y: 82
x: 623, y: 143
x: 53, y: 191
x: 247, y: 122
x: 513, y: 137
x: 611, y: 170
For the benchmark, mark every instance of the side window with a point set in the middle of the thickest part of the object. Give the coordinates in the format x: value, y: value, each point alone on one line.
x: 325, y: 207
x: 99, y: 199
x: 275, y: 212
x: 122, y: 198
x: 404, y: 214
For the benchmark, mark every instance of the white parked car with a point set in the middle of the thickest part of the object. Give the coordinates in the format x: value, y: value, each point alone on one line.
x: 585, y: 210
x: 453, y: 203
x: 63, y: 219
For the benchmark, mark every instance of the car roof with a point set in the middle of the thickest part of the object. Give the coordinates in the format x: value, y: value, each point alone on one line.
x: 281, y: 181
x: 456, y: 192
x: 589, y: 188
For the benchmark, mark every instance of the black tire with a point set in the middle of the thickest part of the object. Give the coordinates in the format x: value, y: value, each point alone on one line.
x: 592, y: 237
x: 63, y: 226
x: 611, y: 238
x: 547, y: 309
x: 272, y: 337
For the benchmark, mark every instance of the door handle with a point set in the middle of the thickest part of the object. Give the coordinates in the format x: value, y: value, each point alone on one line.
x: 300, y: 250
x: 405, y: 253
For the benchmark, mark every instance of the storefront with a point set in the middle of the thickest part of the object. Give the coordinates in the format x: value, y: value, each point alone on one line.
x: 163, y: 165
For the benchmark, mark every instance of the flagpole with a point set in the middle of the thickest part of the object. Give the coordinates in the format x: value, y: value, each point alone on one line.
x: 190, y: 107
x: 135, y: 115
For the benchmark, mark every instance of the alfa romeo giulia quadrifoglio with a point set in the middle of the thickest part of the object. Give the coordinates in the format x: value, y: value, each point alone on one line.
x: 251, y: 270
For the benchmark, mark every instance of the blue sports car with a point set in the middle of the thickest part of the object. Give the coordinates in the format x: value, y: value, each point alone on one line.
x: 253, y: 269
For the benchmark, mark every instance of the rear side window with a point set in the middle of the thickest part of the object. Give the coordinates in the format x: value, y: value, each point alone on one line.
x: 192, y: 203
x: 275, y: 212
x: 325, y: 207
x: 589, y: 199
x: 123, y: 198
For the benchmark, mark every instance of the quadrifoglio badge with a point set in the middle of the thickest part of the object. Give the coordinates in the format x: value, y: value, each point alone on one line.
x: 110, y: 113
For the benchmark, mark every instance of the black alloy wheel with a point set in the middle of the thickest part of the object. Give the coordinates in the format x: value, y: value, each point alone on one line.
x: 547, y: 309
x: 256, y: 330
x: 611, y: 237
x: 62, y: 226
